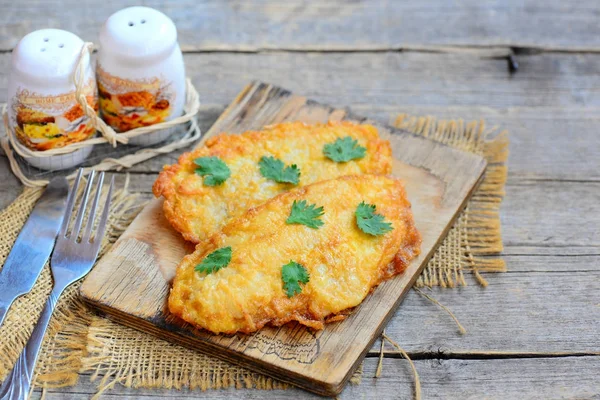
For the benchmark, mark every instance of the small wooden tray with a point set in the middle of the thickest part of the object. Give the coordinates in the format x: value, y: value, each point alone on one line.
x: 131, y: 283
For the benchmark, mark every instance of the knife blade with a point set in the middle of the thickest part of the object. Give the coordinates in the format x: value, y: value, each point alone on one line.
x: 33, y: 245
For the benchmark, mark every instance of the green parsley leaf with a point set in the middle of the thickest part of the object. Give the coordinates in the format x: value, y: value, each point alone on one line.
x: 344, y: 150
x: 213, y: 169
x: 305, y: 214
x: 216, y: 260
x: 292, y: 275
x: 274, y: 169
x: 369, y: 222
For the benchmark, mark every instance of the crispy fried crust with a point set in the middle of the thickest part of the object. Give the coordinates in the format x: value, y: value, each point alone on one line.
x: 197, y: 211
x: 344, y: 263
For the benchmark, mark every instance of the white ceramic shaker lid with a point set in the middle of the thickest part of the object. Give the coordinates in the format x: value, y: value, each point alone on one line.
x: 46, y: 57
x: 138, y: 33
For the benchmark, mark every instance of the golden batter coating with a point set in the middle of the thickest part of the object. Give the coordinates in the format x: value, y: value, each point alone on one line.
x: 343, y: 262
x: 197, y: 210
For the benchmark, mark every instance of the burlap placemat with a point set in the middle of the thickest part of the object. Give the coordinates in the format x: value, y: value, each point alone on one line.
x: 79, y: 341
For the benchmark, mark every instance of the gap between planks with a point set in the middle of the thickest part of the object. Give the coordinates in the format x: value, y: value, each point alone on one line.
x: 495, y: 51
x: 442, y: 379
x: 481, y: 355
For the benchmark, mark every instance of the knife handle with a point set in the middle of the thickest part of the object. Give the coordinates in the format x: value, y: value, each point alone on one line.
x: 17, y: 384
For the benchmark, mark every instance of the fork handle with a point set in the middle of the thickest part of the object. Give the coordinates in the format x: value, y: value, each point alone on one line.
x: 17, y: 384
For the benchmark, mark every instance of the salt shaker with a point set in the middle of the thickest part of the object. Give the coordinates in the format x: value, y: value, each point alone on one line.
x: 42, y: 112
x: 140, y: 72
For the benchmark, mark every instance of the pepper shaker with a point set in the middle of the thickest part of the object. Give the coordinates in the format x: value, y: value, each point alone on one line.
x: 140, y: 72
x: 42, y: 112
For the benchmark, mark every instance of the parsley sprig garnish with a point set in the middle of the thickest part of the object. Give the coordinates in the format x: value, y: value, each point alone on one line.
x: 344, y: 150
x: 292, y: 274
x: 370, y: 222
x: 213, y: 169
x: 274, y: 169
x: 216, y: 260
x: 305, y: 214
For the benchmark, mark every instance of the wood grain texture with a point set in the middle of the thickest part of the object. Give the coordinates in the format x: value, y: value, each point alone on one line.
x: 131, y: 283
x: 554, y: 310
x: 546, y: 378
x: 550, y: 107
x: 242, y: 25
x: 552, y: 160
x: 557, y: 284
x: 564, y: 215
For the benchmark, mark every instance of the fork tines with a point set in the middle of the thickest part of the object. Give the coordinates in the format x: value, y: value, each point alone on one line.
x: 91, y: 215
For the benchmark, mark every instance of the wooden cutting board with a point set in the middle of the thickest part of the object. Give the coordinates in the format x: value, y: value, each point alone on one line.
x: 131, y: 283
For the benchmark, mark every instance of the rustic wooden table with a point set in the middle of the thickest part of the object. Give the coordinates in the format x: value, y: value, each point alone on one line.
x: 534, y: 332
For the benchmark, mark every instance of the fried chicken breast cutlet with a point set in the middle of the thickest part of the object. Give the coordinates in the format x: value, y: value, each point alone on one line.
x: 265, y: 267
x: 197, y: 209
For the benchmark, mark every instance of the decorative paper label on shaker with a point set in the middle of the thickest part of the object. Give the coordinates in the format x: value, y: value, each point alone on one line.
x: 45, y: 122
x: 126, y: 104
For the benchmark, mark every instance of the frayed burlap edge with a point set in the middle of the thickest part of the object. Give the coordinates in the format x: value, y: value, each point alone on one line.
x: 474, y: 242
x: 65, y: 343
x: 80, y: 341
x: 120, y: 355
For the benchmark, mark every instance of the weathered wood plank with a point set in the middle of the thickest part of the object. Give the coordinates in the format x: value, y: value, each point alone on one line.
x: 516, y: 224
x: 549, y: 251
x: 552, y: 259
x: 548, y: 378
x: 333, y: 25
x: 549, y: 106
x: 559, y: 288
x: 396, y: 79
x: 564, y: 214
x: 559, y: 292
x: 393, y: 79
x: 546, y: 154
x: 546, y: 142
x: 519, y: 312
x: 551, y: 214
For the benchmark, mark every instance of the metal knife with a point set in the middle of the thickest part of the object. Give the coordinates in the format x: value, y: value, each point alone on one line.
x: 33, y: 245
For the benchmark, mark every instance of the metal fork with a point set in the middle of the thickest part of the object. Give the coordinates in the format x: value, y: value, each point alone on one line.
x: 71, y: 260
